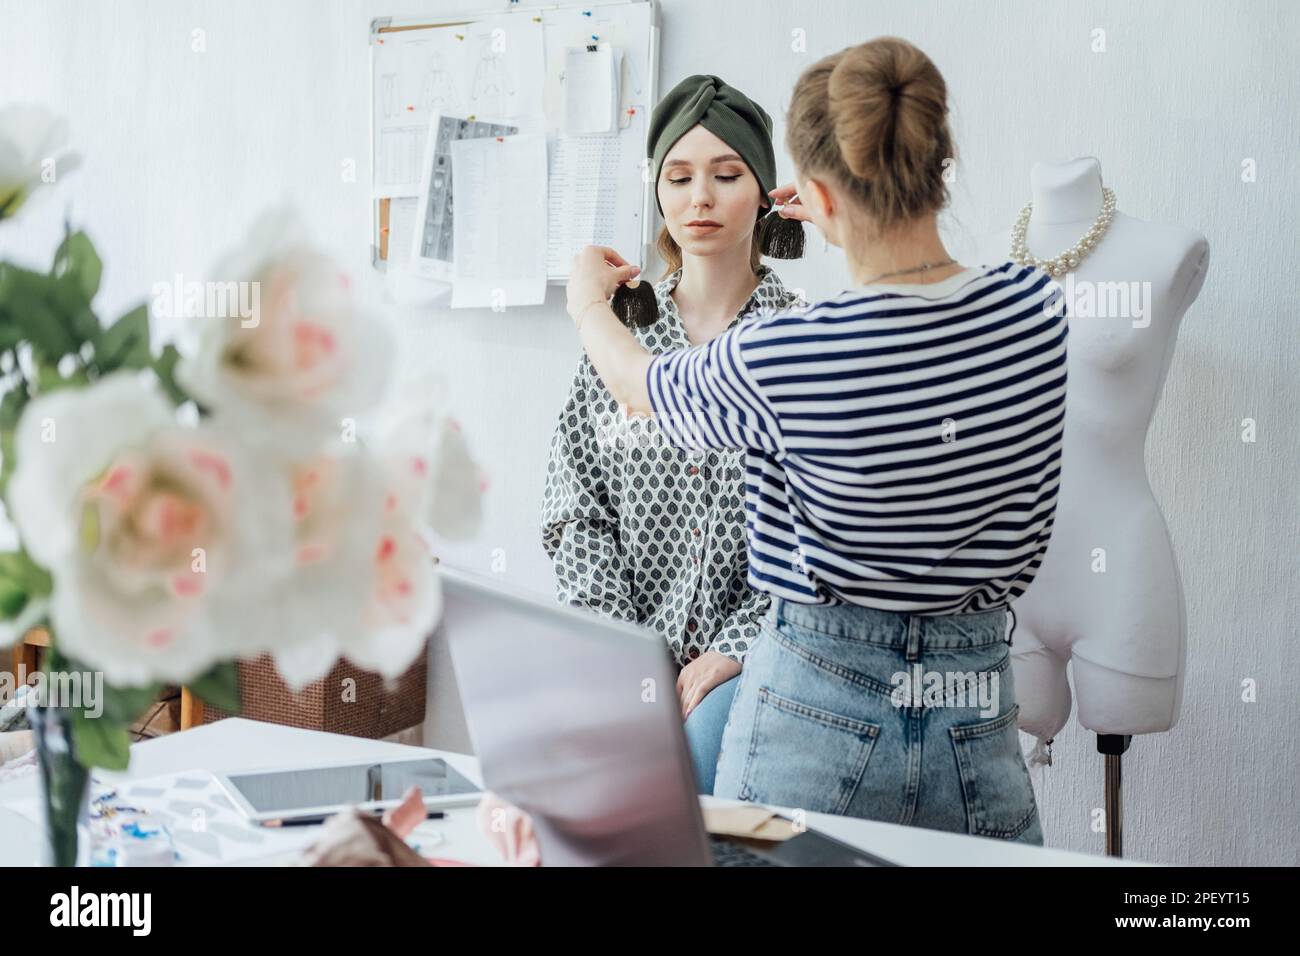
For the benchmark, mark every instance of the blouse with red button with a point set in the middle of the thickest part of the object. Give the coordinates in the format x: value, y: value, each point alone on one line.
x: 642, y: 531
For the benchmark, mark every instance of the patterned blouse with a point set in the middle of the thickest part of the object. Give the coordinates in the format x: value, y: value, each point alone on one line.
x: 639, y: 530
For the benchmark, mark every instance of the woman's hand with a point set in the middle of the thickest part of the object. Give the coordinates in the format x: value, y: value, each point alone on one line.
x: 702, y: 675
x: 407, y: 815
x: 789, y: 207
x: 353, y: 838
x: 592, y: 280
x: 510, y: 830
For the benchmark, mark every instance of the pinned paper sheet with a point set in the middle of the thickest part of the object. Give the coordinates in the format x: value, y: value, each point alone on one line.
x: 594, y: 187
x: 750, y: 823
x: 500, y: 222
x: 591, y: 94
x: 431, y: 244
x: 494, y: 66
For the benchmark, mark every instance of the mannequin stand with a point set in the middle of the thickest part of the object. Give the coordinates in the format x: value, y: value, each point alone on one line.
x: 1113, y: 747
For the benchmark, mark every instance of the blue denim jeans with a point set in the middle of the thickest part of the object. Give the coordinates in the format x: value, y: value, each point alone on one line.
x: 904, y: 718
x: 704, y: 731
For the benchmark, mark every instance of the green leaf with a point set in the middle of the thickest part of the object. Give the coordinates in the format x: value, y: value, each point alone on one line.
x: 49, y: 380
x: 12, y: 600
x: 11, y: 200
x: 126, y: 704
x: 77, y: 257
x: 164, y: 366
x: 100, y: 741
x: 66, y: 298
x: 125, y: 343
x: 219, y: 687
x: 26, y: 303
x: 11, y: 410
x: 21, y: 571
x: 8, y: 458
x: 103, y: 741
x: 11, y: 406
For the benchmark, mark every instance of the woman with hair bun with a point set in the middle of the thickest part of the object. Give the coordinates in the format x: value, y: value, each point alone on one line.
x: 902, y: 452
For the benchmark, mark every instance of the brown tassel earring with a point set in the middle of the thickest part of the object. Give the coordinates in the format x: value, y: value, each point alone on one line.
x: 635, y: 304
x: 780, y: 238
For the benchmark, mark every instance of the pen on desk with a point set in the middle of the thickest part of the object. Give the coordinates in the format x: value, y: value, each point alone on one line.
x: 314, y: 821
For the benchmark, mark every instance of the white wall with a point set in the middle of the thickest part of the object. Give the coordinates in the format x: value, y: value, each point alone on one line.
x: 183, y: 149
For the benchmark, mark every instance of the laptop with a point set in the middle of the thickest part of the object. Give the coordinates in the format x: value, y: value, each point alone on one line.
x: 575, y: 719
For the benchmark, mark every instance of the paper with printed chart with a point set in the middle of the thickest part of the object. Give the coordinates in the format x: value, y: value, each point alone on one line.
x: 493, y: 67
x: 595, y: 194
x: 500, y: 225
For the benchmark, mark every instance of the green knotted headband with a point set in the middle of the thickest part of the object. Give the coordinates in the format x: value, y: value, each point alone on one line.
x: 725, y: 112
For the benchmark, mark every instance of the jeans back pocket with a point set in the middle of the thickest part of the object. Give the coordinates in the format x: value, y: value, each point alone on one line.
x: 994, y: 779
x: 804, y: 757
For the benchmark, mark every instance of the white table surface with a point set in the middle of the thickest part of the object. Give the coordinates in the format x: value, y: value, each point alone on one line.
x: 239, y: 744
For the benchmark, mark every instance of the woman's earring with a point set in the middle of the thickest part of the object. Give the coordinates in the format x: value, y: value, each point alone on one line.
x: 779, y: 237
x: 635, y: 304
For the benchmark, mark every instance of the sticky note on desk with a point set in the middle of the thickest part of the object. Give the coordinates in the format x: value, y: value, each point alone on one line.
x: 751, y: 823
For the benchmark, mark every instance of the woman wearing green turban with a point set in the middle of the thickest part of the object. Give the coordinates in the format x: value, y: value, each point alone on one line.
x: 636, y: 528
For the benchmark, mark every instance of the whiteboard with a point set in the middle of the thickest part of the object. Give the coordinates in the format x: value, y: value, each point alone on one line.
x: 440, y: 70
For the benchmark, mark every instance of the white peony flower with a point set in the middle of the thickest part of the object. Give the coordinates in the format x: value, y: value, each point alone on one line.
x: 428, y: 479
x: 366, y: 587
x: 32, y: 141
x: 60, y: 448
x: 439, y: 480
x: 306, y: 362
x: 166, y: 544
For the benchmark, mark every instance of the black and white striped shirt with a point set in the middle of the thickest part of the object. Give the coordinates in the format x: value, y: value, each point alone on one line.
x: 903, y: 443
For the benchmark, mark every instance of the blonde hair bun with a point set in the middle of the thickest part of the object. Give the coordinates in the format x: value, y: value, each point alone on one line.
x: 876, y: 117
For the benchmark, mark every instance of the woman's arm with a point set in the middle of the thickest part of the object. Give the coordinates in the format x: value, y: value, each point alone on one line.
x: 619, y: 359
x: 703, y: 396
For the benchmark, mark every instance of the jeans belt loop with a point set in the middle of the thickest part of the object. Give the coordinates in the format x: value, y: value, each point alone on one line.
x: 1013, y: 624
x: 914, y: 637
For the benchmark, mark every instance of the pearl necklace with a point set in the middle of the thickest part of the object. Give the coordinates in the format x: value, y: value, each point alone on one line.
x: 1070, y: 258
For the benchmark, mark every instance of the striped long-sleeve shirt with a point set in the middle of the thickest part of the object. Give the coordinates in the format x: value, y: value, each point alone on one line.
x: 903, y: 443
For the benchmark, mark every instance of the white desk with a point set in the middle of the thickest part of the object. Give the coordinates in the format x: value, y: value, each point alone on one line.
x: 238, y: 744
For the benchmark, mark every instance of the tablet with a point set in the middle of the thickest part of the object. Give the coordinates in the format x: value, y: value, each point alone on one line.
x: 282, y: 796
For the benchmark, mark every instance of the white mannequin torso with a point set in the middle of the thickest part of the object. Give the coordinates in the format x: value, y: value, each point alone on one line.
x: 1123, y: 626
